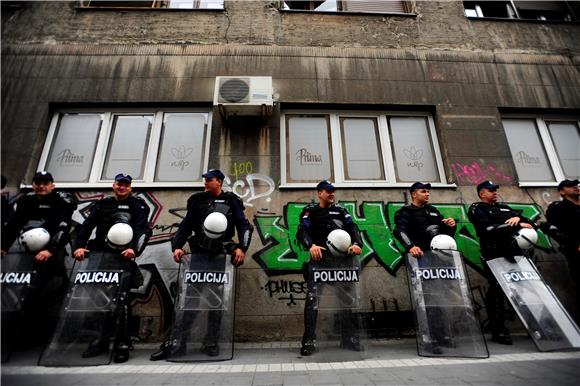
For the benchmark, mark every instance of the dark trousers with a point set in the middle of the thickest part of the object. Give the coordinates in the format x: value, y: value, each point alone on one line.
x: 202, y: 260
x: 348, y: 322
x: 494, y: 302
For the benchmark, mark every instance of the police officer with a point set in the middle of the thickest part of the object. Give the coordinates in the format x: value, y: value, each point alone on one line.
x: 206, y: 251
x: 415, y: 225
x: 564, y: 223
x: 121, y: 208
x: 495, y: 225
x: 418, y: 222
x: 48, y: 210
x: 316, y: 223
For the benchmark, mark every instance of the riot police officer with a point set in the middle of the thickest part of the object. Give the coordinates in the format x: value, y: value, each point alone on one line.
x: 563, y: 224
x: 207, y: 251
x: 112, y: 217
x: 418, y: 222
x: 416, y: 225
x: 495, y: 225
x: 317, y: 221
x: 45, y: 210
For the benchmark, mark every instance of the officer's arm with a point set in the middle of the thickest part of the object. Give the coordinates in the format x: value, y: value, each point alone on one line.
x: 14, y: 225
x: 304, y: 231
x: 141, y: 230
x: 86, y: 228
x: 184, y: 230
x: 401, y: 231
x: 352, y: 229
x: 63, y: 222
x: 446, y: 228
x: 486, y: 224
x: 243, y: 226
x: 552, y: 226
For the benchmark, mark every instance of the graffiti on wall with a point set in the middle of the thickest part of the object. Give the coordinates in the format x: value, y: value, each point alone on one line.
x: 288, y: 291
x: 474, y: 173
x: 282, y: 254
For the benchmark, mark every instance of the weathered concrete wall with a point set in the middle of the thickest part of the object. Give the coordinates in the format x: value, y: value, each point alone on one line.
x: 435, y: 25
x: 465, y: 89
x: 54, y: 55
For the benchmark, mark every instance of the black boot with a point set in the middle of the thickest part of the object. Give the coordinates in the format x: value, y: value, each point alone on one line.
x: 96, y: 348
x: 210, y: 349
x: 308, y: 348
x: 121, y: 353
x: 351, y: 343
x: 163, y: 351
x: 502, y: 337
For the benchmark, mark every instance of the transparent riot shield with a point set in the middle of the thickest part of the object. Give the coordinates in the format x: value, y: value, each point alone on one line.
x: 334, y: 314
x: 88, y: 325
x: 445, y: 320
x: 204, y: 310
x: 16, y: 280
x: 541, y: 313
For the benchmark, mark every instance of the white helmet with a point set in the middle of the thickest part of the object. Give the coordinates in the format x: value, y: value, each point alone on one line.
x: 526, y: 238
x: 215, y: 225
x: 338, y: 242
x: 443, y: 242
x: 120, y: 235
x: 35, y: 239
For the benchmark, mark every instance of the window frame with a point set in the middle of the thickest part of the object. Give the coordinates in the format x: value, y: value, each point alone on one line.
x: 408, y: 5
x: 547, y: 144
x: 104, y: 136
x: 386, y: 151
x: 516, y: 14
x: 83, y: 5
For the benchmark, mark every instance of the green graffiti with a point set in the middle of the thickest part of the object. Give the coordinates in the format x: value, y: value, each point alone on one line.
x: 282, y: 253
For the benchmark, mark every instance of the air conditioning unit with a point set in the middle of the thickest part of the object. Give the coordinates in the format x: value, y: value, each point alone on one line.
x: 244, y: 95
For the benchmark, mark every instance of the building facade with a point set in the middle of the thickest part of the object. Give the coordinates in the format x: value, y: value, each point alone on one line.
x: 370, y: 95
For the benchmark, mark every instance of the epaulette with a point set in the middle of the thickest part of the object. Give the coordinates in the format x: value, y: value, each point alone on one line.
x: 310, y: 207
x: 234, y: 196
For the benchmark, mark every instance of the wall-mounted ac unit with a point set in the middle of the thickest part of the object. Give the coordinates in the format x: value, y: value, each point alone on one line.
x: 244, y: 95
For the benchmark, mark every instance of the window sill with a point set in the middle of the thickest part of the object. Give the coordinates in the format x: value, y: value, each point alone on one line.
x: 109, y: 184
x: 538, y: 184
x: 523, y: 20
x: 147, y: 9
x: 358, y: 185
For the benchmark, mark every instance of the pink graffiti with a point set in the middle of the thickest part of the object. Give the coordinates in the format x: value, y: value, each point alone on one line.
x: 475, y: 173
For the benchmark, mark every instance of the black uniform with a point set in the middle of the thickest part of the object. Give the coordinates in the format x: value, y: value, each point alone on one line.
x: 315, y: 225
x: 199, y: 206
x: 52, y: 212
x: 496, y: 239
x: 416, y: 226
x: 103, y: 215
x: 564, y: 226
x: 210, y: 254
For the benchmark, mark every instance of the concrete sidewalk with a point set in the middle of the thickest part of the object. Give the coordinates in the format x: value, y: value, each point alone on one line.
x: 390, y: 362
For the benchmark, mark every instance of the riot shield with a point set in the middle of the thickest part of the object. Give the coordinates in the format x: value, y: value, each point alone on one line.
x: 16, y: 281
x: 445, y: 320
x: 88, y: 324
x: 335, y: 313
x: 541, y: 313
x: 204, y: 309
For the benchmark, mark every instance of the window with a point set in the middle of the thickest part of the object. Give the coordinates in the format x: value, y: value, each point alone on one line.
x: 367, y: 6
x: 545, y: 150
x: 528, y: 10
x: 359, y: 149
x: 173, y: 4
x: 168, y: 148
